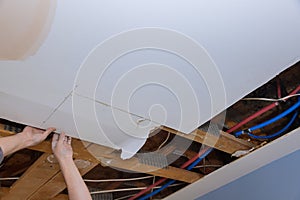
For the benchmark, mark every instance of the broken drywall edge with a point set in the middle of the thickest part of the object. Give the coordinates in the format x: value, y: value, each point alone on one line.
x: 93, y: 122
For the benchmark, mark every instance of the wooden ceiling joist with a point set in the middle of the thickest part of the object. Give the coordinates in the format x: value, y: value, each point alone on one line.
x: 44, y: 180
x: 3, y: 191
x: 50, y: 180
x: 225, y: 142
x: 37, y: 175
x: 113, y: 159
x: 61, y: 197
x: 56, y: 185
x: 107, y: 156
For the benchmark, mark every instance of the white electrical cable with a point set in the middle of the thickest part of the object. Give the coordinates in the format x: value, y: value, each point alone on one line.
x: 109, y: 191
x: 268, y: 99
x: 91, y: 180
x: 202, y: 166
x: 162, y: 144
x: 125, y: 197
x: 9, y: 178
x: 112, y: 180
x: 129, y: 189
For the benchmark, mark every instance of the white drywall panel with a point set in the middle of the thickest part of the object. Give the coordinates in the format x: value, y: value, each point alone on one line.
x: 19, y: 110
x: 250, y: 42
x: 101, y: 124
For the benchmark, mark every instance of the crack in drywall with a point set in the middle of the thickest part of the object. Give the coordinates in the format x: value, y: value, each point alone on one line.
x: 57, y: 107
x: 138, y: 122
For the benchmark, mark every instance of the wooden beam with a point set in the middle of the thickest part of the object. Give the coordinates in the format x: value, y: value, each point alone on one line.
x: 36, y: 176
x: 61, y: 197
x: 3, y: 191
x: 101, y: 154
x: 170, y: 172
x: 113, y: 160
x: 225, y: 142
x: 79, y: 150
x: 56, y: 185
x: 50, y: 181
x: 3, y: 132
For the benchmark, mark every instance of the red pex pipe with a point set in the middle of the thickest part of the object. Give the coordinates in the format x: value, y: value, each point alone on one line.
x: 164, y: 179
x: 278, y: 88
x: 260, y: 112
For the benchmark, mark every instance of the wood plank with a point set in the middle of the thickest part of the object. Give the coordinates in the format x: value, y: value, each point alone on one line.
x: 113, y: 160
x: 100, y: 154
x: 36, y: 176
x: 3, y: 191
x: 79, y: 150
x: 52, y: 183
x: 56, y: 185
x: 61, y: 197
x: 225, y: 142
x: 3, y: 132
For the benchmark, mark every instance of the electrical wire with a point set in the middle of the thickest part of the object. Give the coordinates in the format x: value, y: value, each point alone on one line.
x: 203, y: 166
x: 173, y: 181
x: 125, y: 197
x: 160, y: 146
x: 129, y: 189
x: 277, y: 133
x: 9, y: 178
x: 112, y: 180
x: 278, y: 84
x: 158, y: 190
x: 251, y: 117
x: 153, y: 181
x: 274, y: 119
x: 92, y: 180
x: 268, y: 122
x: 165, y: 141
x: 270, y: 99
x: 148, y: 188
x: 164, y: 179
x: 258, y: 113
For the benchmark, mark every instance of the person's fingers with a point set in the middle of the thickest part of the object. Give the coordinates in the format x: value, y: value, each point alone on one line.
x: 55, y: 137
x: 61, y: 138
x: 48, y: 131
x: 33, y: 130
x: 54, y: 140
x: 69, y: 140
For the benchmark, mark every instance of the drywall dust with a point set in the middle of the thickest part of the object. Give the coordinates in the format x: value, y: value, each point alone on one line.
x: 24, y: 26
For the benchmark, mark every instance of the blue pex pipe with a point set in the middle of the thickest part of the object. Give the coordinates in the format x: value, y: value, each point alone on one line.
x: 173, y: 181
x: 277, y: 133
x: 266, y: 123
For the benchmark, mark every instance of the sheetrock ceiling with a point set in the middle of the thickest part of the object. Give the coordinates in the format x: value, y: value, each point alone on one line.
x: 110, y: 72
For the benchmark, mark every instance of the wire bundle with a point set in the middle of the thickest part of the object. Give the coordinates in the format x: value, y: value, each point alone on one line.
x: 270, y: 121
x: 190, y: 164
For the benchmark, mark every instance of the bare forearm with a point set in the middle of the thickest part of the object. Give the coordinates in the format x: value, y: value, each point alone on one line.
x: 12, y: 144
x: 28, y: 137
x: 77, y: 189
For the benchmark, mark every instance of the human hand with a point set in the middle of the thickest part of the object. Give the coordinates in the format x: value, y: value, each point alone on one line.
x: 61, y: 147
x: 33, y: 136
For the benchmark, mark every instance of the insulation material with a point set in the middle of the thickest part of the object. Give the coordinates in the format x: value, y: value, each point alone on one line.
x: 110, y: 72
